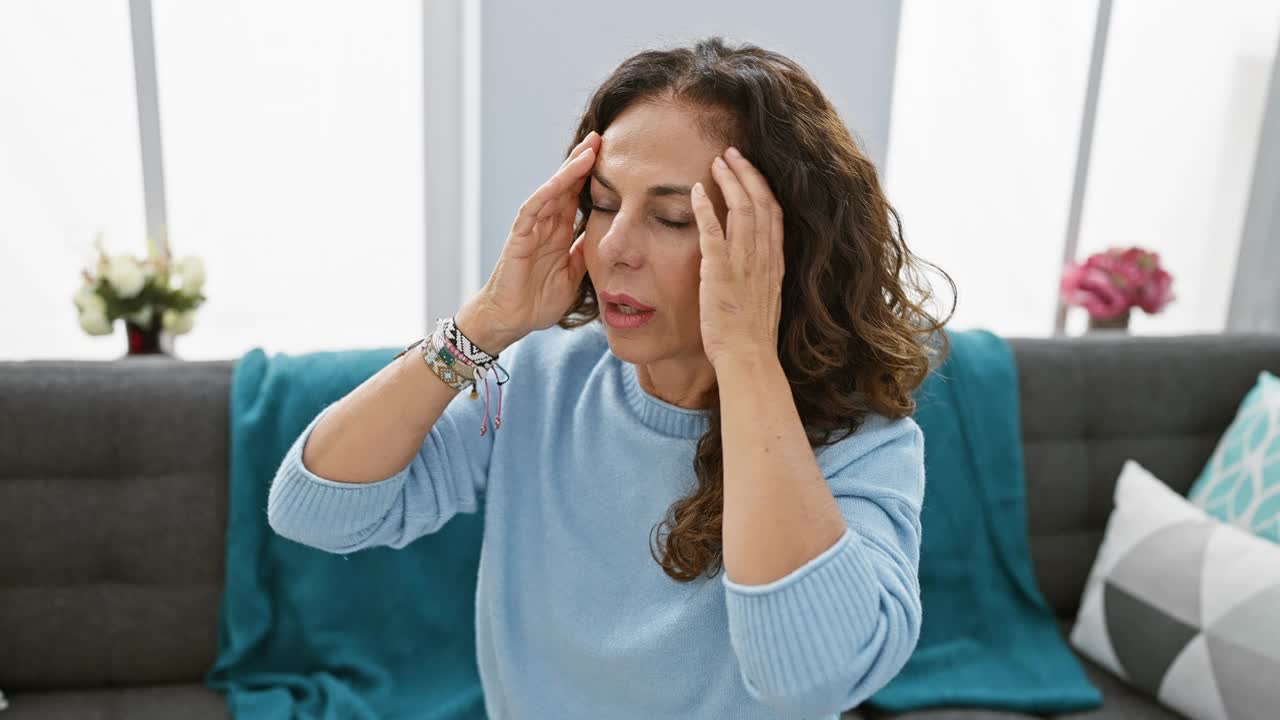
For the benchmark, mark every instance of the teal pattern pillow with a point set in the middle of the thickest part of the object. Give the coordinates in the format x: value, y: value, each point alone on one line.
x: 1240, y: 484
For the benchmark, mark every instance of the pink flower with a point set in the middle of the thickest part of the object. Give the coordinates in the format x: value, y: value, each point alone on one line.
x: 1155, y: 294
x: 1092, y: 289
x: 1109, y: 283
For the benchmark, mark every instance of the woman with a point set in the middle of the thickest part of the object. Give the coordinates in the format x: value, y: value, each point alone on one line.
x: 726, y: 391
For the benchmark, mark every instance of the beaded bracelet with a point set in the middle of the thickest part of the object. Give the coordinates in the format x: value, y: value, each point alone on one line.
x: 441, y: 352
x: 442, y: 361
x: 461, y: 342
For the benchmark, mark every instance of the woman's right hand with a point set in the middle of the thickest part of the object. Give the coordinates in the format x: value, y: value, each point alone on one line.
x: 538, y: 275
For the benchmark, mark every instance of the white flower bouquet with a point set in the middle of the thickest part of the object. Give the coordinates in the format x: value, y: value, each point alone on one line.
x: 153, y: 295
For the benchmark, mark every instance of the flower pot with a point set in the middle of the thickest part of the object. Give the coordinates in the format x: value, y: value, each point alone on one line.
x: 1119, y: 323
x: 148, y: 340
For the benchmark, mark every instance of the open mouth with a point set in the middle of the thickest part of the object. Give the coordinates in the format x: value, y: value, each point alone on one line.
x: 625, y: 317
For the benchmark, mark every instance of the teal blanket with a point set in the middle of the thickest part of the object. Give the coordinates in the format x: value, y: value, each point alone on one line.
x: 386, y: 633
x: 302, y: 633
x: 988, y: 638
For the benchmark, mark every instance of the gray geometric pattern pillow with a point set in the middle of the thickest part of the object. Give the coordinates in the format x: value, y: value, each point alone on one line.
x: 1183, y: 606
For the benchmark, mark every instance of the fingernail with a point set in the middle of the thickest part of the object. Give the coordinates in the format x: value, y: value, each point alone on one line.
x: 733, y: 151
x: 719, y: 162
x: 697, y: 188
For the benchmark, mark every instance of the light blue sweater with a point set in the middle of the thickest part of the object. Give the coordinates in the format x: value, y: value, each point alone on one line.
x: 574, y: 617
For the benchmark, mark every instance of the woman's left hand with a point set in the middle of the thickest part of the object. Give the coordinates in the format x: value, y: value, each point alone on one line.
x: 741, y: 291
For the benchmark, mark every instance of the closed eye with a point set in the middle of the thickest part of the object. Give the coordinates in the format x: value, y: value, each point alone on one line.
x: 668, y: 223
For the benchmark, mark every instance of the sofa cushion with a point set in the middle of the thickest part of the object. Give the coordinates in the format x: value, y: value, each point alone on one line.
x: 1181, y: 606
x: 1120, y: 702
x: 190, y: 701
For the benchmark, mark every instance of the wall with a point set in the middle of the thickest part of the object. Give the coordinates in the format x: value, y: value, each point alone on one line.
x: 535, y: 85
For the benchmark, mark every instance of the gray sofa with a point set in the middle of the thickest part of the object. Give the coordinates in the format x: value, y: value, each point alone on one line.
x: 113, y: 507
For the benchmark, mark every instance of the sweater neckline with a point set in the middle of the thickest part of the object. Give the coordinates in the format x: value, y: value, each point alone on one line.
x: 657, y: 413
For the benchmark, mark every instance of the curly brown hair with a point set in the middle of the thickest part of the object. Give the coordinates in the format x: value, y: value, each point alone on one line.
x: 854, y: 334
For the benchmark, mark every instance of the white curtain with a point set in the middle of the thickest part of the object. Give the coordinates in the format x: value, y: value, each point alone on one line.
x: 987, y: 109
x: 293, y: 159
x: 1179, y: 114
x: 293, y: 166
x: 69, y: 167
x: 293, y: 155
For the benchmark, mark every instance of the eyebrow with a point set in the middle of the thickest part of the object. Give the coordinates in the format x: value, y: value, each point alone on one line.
x: 653, y: 191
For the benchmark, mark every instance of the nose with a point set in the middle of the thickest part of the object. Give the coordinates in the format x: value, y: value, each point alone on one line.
x: 623, y: 242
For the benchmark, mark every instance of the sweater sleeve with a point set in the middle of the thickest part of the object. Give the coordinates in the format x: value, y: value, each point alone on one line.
x: 826, y: 636
x: 448, y: 475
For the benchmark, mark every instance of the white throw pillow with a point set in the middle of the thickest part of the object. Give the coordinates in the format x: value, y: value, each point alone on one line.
x: 1182, y: 606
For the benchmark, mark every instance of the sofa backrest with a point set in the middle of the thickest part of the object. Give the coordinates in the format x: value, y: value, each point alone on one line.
x: 1089, y: 403
x: 113, y: 489
x: 113, y: 507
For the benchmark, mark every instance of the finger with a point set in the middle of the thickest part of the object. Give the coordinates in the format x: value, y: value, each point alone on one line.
x: 762, y: 199
x: 568, y: 207
x: 576, y: 186
x: 588, y: 141
x: 710, y: 234
x: 541, y: 202
x: 575, y: 172
x: 741, y: 219
x: 592, y: 141
x: 752, y: 180
x: 568, y: 214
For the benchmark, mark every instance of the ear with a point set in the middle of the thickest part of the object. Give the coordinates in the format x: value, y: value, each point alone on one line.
x: 577, y: 258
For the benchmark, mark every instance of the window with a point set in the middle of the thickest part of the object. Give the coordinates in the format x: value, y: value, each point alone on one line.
x: 294, y: 167
x: 69, y: 167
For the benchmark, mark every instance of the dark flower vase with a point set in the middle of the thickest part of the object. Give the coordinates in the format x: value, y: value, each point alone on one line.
x: 148, y: 340
x: 1119, y: 323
